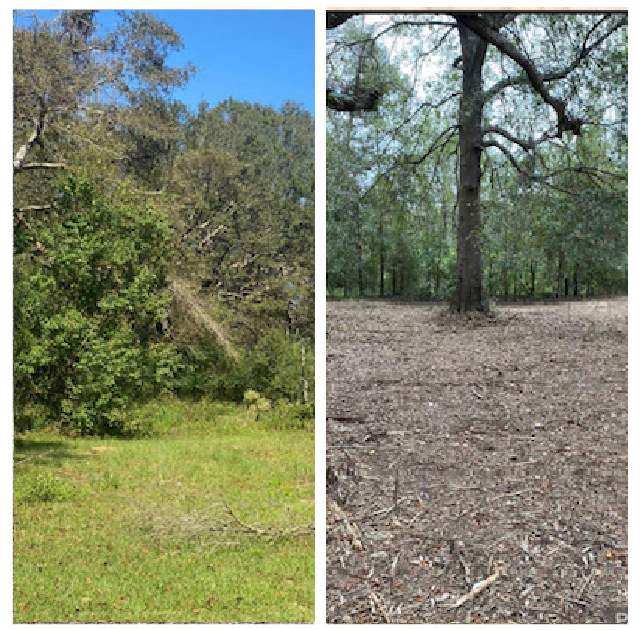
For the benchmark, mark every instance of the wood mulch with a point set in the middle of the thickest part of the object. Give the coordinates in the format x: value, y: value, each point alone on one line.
x: 476, y: 468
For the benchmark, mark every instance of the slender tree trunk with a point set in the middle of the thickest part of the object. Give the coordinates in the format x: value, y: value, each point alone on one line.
x: 533, y: 278
x: 380, y: 237
x: 468, y: 294
x: 560, y: 272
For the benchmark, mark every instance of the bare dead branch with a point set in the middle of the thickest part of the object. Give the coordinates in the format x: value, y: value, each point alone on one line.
x: 40, y: 166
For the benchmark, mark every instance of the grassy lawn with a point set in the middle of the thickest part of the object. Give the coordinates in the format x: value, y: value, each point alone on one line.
x: 206, y: 522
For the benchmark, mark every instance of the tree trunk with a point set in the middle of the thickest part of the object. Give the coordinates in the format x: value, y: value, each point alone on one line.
x: 468, y: 293
x: 490, y: 278
x: 380, y: 236
x: 533, y: 278
x: 560, y: 273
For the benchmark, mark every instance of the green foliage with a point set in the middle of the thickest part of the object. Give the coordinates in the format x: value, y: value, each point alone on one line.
x: 285, y: 416
x: 204, y: 369
x: 244, y: 207
x: 556, y: 223
x: 85, y: 314
x: 222, y: 199
x: 277, y: 368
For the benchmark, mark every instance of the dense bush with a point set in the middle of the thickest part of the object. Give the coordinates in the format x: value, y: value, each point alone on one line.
x: 284, y: 416
x: 85, y: 313
x: 274, y: 367
x: 205, y: 370
x: 277, y: 369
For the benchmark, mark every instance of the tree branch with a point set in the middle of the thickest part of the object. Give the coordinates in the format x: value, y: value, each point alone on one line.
x: 476, y: 24
x: 540, y: 79
x: 21, y: 155
x: 44, y: 208
x: 40, y: 165
x: 336, y: 18
x: 526, y: 145
x: 593, y: 173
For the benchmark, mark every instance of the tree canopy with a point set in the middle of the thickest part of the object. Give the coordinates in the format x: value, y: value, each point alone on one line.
x: 492, y: 120
x: 155, y: 248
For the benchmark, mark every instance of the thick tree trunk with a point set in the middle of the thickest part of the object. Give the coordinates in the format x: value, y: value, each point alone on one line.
x: 468, y: 294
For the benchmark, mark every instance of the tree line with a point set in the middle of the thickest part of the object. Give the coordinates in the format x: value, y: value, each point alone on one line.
x: 155, y: 248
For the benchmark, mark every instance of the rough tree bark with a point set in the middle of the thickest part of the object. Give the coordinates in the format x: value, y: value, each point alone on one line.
x: 468, y: 293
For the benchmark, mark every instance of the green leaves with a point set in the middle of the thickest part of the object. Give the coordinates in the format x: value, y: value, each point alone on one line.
x: 84, y: 318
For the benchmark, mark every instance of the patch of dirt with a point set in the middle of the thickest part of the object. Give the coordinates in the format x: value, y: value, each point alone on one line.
x: 476, y: 468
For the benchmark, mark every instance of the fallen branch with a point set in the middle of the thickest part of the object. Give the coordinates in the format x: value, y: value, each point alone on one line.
x: 271, y: 532
x: 478, y: 586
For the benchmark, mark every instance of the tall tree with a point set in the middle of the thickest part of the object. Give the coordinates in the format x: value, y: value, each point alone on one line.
x: 79, y: 92
x: 557, y: 65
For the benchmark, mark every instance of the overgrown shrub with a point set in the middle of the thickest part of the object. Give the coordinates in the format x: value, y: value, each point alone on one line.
x: 285, y: 416
x: 85, y: 313
x: 282, y: 366
x: 205, y: 370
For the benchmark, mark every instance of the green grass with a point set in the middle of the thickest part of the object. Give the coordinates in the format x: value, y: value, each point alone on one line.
x: 206, y: 521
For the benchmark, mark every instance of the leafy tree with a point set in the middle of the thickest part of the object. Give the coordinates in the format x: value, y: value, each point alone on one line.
x: 243, y: 190
x: 78, y: 93
x: 541, y: 91
x: 176, y: 242
x: 85, y: 312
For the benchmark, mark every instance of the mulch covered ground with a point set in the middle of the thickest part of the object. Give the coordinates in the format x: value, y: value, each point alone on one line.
x: 476, y: 469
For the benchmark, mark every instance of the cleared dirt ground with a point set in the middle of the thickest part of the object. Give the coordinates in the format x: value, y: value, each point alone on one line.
x: 476, y: 469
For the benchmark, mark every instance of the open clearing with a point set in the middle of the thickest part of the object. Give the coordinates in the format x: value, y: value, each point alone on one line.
x: 476, y: 469
x: 209, y: 522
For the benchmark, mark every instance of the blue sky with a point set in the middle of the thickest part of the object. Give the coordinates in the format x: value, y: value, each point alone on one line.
x: 261, y: 56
